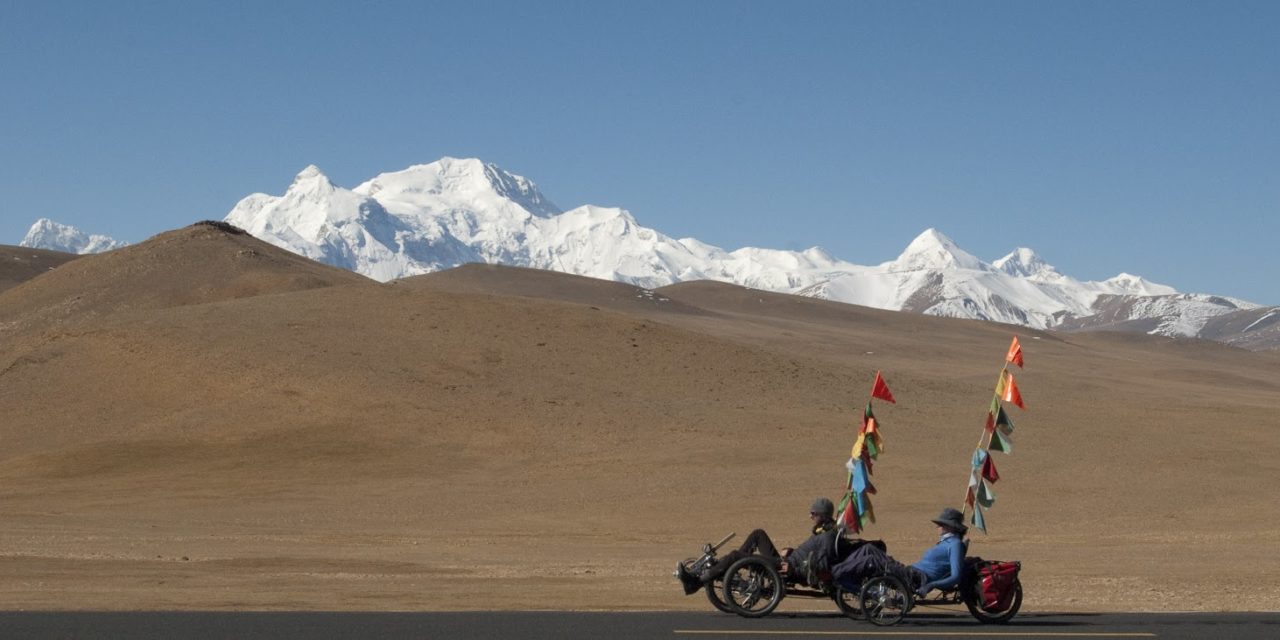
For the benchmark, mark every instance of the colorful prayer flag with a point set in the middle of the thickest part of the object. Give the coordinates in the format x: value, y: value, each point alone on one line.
x: 1003, y: 422
x: 989, y: 472
x: 868, y: 516
x: 1001, y: 442
x: 985, y: 497
x: 978, y: 521
x: 860, y: 480
x: 1009, y: 392
x: 1015, y: 353
x: 979, y: 456
x: 849, y: 517
x: 881, y: 390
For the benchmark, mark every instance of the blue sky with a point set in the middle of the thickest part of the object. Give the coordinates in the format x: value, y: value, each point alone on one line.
x: 1108, y: 136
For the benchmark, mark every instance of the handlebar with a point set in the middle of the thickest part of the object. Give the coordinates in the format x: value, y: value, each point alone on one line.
x: 726, y: 539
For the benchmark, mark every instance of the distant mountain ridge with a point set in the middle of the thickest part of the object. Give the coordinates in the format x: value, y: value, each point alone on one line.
x: 440, y: 215
x: 47, y: 234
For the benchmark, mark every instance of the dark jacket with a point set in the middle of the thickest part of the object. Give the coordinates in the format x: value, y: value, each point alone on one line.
x: 827, y: 524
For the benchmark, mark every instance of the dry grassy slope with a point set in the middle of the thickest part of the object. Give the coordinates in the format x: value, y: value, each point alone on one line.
x: 193, y: 265
x: 442, y: 443
x: 503, y: 281
x: 19, y: 264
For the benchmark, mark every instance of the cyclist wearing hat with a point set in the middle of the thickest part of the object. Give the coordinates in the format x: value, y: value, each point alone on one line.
x: 941, y: 564
x: 938, y: 568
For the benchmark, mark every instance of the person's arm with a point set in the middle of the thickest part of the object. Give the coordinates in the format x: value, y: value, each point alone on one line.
x: 956, y: 563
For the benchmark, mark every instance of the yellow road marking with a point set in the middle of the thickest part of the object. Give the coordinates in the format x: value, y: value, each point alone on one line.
x: 968, y: 634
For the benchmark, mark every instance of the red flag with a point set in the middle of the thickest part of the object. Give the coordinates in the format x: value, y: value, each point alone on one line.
x: 1015, y: 353
x: 991, y: 422
x: 989, y: 470
x: 1010, y: 392
x: 881, y: 390
x: 850, y: 518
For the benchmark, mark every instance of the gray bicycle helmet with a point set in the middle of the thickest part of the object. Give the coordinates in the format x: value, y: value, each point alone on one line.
x: 822, y: 506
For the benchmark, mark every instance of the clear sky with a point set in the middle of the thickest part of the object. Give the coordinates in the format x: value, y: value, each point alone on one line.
x: 1141, y: 137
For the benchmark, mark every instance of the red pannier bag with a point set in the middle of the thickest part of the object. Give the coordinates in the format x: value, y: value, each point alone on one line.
x: 995, y: 584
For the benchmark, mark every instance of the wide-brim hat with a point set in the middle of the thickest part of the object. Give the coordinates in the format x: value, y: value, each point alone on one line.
x: 953, y: 520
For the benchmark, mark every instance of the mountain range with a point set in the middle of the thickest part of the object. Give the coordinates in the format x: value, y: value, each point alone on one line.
x: 451, y: 212
x: 202, y: 420
x: 55, y: 236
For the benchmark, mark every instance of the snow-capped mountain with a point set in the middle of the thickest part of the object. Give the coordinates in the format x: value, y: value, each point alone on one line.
x: 450, y: 212
x: 453, y: 211
x: 439, y: 215
x: 47, y: 234
x: 936, y: 277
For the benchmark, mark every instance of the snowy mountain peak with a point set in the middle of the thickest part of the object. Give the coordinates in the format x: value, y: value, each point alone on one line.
x: 47, y: 234
x: 818, y: 255
x: 466, y: 179
x: 1025, y: 263
x: 309, y: 173
x: 1136, y: 285
x: 933, y: 250
x: 311, y: 180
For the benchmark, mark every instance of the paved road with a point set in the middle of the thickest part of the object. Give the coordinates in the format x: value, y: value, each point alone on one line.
x: 620, y: 626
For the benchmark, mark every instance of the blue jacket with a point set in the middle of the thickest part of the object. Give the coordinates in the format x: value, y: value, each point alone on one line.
x: 942, y: 563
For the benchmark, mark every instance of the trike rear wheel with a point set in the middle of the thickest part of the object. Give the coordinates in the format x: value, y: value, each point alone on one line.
x: 975, y: 607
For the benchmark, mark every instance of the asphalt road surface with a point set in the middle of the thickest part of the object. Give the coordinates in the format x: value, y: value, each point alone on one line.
x: 622, y: 626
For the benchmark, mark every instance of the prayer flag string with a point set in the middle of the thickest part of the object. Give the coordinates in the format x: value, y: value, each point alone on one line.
x: 855, y: 508
x: 996, y: 436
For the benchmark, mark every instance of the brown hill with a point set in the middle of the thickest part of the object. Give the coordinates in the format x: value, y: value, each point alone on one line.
x: 470, y: 440
x: 19, y: 264
x: 1256, y: 329
x: 504, y: 281
x: 205, y: 262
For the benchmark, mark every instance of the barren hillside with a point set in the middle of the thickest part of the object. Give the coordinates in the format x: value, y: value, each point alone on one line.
x: 204, y: 421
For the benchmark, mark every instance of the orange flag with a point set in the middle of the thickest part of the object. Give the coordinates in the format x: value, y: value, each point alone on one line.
x: 1009, y: 392
x: 1015, y: 353
x: 881, y: 390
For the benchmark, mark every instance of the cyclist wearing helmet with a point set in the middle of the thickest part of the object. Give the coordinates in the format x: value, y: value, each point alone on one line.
x: 821, y: 514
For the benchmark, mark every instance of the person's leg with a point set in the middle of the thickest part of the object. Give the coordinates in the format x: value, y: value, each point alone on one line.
x: 866, y: 561
x: 759, y: 542
x: 721, y: 565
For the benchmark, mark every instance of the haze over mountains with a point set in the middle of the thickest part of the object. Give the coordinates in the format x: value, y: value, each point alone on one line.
x: 451, y: 212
